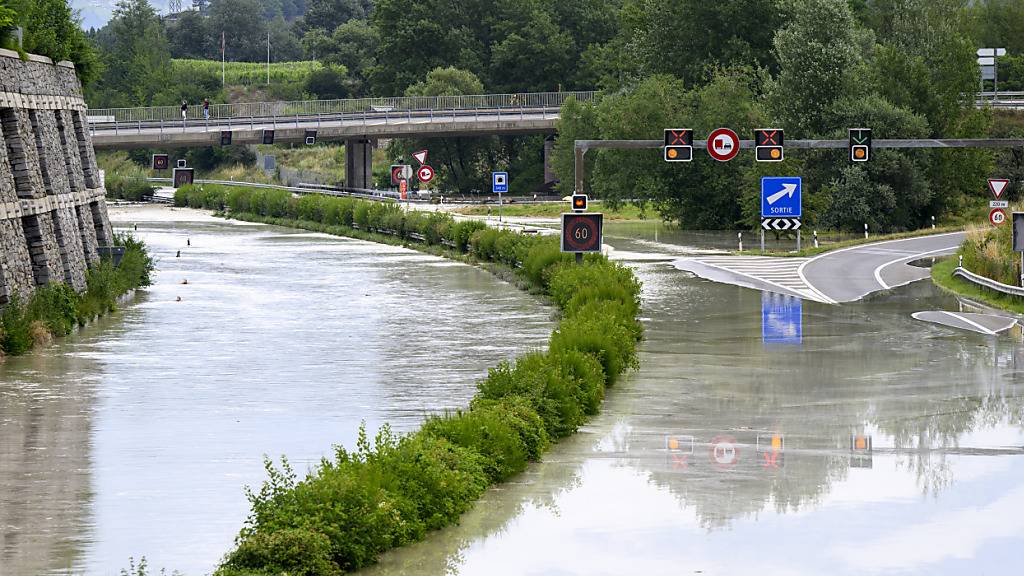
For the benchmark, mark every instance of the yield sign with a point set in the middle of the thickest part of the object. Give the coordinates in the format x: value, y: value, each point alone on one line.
x: 420, y: 156
x: 997, y: 185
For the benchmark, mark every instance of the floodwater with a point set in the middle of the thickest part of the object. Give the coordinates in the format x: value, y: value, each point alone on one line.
x: 764, y: 435
x: 136, y: 436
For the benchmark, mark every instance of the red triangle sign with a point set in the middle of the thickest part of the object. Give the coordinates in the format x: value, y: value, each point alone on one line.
x: 420, y: 156
x: 997, y: 186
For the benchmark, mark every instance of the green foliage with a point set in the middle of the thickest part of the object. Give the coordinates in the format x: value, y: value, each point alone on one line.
x: 353, y: 507
x: 59, y: 308
x: 136, y: 48
x: 50, y: 29
x: 247, y: 73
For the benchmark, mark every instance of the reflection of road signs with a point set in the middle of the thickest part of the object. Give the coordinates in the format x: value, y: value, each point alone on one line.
x: 499, y: 182
x: 723, y: 144
x: 679, y: 444
x: 770, y: 447
x: 581, y: 231
x: 724, y: 451
x: 780, y: 224
x: 781, y: 196
x: 997, y: 216
x: 860, y: 451
x: 781, y: 319
x: 997, y: 186
x: 420, y: 156
x: 425, y: 173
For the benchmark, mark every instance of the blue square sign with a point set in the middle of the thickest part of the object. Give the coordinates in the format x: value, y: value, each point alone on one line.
x: 499, y: 182
x: 781, y: 196
x: 781, y: 319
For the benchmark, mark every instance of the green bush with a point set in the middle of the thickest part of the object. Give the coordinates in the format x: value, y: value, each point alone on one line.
x: 487, y: 431
x: 297, y: 551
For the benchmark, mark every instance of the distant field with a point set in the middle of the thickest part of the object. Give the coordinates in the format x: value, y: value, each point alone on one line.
x: 552, y: 210
x: 247, y: 73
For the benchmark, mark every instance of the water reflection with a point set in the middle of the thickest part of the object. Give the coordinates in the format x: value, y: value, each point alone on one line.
x: 724, y: 455
x: 137, y: 436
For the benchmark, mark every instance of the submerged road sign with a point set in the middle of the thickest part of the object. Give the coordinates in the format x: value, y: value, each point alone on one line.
x: 400, y: 172
x: 781, y: 196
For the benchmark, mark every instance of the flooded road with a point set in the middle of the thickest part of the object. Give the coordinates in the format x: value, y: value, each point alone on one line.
x: 137, y: 435
x: 765, y: 435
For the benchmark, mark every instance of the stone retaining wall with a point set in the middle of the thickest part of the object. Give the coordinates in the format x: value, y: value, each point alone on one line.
x: 53, y: 215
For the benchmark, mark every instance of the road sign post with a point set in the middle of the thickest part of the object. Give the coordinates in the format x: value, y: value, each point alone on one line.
x: 499, y: 185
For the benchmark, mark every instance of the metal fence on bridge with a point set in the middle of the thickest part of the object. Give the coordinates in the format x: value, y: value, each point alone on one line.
x: 300, y: 108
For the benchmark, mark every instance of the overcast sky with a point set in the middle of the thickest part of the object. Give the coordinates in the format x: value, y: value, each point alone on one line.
x: 96, y: 13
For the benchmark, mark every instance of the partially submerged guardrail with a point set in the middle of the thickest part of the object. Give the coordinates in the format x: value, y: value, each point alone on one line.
x: 989, y: 283
x: 364, y: 193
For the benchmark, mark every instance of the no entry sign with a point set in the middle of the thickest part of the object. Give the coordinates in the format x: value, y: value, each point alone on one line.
x: 723, y: 144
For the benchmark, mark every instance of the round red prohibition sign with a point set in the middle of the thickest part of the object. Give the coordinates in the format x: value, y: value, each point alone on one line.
x: 723, y: 144
x: 724, y: 451
x: 425, y: 173
x: 997, y: 216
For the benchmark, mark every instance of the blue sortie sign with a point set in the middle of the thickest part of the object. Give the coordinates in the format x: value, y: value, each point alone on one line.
x: 781, y: 196
x: 499, y: 182
x: 781, y: 319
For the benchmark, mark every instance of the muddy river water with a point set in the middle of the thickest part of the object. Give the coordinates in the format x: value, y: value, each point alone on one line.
x: 761, y: 435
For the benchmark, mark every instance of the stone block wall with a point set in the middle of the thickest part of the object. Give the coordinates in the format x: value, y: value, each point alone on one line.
x: 53, y: 216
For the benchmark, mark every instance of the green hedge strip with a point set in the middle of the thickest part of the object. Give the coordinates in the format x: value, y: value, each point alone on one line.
x: 391, y: 491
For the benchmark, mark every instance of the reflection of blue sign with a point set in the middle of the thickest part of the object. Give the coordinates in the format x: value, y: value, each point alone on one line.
x: 781, y: 319
x: 780, y: 196
x: 499, y: 182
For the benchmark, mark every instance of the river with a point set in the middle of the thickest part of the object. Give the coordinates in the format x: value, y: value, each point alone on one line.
x: 761, y: 435
x: 135, y: 436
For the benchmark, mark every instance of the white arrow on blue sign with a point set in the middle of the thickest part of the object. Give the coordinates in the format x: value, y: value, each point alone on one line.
x: 499, y: 182
x: 781, y: 196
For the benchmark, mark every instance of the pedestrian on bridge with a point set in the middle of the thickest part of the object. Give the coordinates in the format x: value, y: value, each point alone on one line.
x: 184, y: 109
x: 206, y: 109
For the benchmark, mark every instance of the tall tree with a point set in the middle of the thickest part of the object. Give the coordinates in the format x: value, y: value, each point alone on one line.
x: 243, y: 28
x: 51, y: 29
x: 136, y: 44
x: 329, y: 14
x: 352, y: 45
x: 188, y: 37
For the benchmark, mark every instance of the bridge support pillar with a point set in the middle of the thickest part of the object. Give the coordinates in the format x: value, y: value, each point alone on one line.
x: 549, y: 146
x: 359, y: 163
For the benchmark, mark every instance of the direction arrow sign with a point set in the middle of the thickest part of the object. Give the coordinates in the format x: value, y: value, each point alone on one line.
x: 420, y: 156
x: 723, y: 144
x: 780, y: 224
x: 781, y: 196
x: 997, y: 185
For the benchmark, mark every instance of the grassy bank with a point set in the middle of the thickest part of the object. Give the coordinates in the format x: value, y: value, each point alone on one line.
x: 392, y: 489
x: 986, y: 251
x: 56, y: 309
x: 554, y: 210
x: 942, y: 275
x: 808, y: 248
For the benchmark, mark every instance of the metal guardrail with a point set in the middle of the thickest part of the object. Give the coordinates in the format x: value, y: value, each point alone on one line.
x: 300, y: 108
x: 988, y: 282
x: 364, y: 193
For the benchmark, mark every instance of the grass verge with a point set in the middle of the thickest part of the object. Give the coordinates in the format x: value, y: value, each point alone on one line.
x: 393, y: 489
x: 56, y: 309
x: 822, y: 248
x: 554, y: 210
x: 942, y: 276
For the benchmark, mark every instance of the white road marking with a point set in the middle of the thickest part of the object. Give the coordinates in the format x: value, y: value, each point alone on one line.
x: 969, y: 322
x: 777, y: 272
x: 878, y: 271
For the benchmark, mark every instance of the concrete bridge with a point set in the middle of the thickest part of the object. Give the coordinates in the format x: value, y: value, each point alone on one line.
x: 357, y: 122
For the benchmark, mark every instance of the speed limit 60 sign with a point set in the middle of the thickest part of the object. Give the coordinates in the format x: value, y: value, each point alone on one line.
x: 581, y: 231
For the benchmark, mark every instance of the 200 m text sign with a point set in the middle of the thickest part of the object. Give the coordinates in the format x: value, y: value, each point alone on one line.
x: 582, y: 231
x: 781, y: 196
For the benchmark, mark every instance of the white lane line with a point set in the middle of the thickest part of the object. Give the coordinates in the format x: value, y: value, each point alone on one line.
x: 970, y: 322
x: 878, y: 271
x: 800, y: 270
x: 810, y: 296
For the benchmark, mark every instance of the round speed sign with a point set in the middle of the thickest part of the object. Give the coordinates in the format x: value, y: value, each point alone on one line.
x: 581, y: 232
x: 997, y: 216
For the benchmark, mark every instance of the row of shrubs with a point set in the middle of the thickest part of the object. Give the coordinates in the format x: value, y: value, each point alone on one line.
x: 988, y: 251
x: 56, y: 309
x: 394, y: 489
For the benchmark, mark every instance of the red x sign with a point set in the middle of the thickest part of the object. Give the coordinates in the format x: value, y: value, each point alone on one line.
x: 769, y: 137
x: 678, y: 137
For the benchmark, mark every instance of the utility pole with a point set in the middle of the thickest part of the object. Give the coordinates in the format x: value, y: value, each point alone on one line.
x: 222, y: 48
x: 268, y: 57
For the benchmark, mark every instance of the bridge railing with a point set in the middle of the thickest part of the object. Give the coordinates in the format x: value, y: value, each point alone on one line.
x: 300, y: 108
